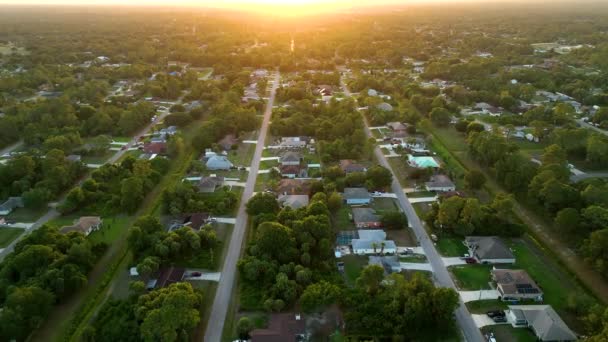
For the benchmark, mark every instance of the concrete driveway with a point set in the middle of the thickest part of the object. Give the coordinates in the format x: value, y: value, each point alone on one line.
x: 227, y: 220
x: 453, y: 261
x: 483, y: 320
x: 416, y: 266
x: 416, y: 250
x: 214, y: 276
x: 423, y: 199
x: 471, y: 296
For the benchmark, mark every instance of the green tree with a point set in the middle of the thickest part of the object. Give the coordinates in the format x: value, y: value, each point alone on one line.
x: 379, y: 177
x: 318, y: 296
x: 262, y: 203
x: 394, y: 220
x: 474, y: 179
x: 370, y: 278
x: 169, y: 314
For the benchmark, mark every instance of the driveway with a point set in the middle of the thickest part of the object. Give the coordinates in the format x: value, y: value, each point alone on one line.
x: 471, y: 296
x: 453, y: 261
x: 416, y: 250
x: 483, y: 320
x: 423, y: 199
x: 227, y: 220
x: 214, y: 276
x: 416, y: 266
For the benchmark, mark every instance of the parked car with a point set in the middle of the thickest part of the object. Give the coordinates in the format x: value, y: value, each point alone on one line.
x: 499, y: 319
x: 495, y: 313
x: 124, y: 147
x: 196, y: 274
x: 470, y: 260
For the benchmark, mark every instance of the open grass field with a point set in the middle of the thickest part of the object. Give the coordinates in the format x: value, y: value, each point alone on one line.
x: 401, y: 170
x: 472, y: 277
x: 384, y: 204
x: 243, y: 155
x: 8, y: 235
x: 451, y: 247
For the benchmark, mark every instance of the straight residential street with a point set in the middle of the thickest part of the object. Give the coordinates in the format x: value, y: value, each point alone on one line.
x: 215, y: 324
x: 52, y: 213
x: 440, y: 272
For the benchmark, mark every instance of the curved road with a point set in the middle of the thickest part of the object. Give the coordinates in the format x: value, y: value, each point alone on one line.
x: 215, y: 324
x: 53, y: 213
x: 442, y: 277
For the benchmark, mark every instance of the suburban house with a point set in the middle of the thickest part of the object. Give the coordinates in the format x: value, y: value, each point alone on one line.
x: 218, y: 163
x: 293, y: 142
x: 366, y: 218
x: 350, y: 166
x: 85, y: 225
x: 210, y: 184
x: 74, y: 158
x: 440, y: 183
x: 171, y: 130
x: 542, y: 320
x: 385, y: 107
x: 10, y: 204
x: 166, y: 277
x: 356, y: 196
x: 228, y: 142
x: 324, y: 90
x: 486, y: 108
x: 291, y: 158
x: 293, y: 187
x: 422, y: 162
x: 293, y: 171
x: 159, y: 147
x: 196, y: 220
x: 284, y: 327
x: 372, y: 241
x: 489, y: 250
x: 390, y: 263
x: 294, y: 201
x: 516, y: 285
x: 399, y: 129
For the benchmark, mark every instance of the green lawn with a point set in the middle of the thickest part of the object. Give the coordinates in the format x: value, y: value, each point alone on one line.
x: 472, y: 277
x: 8, y: 235
x: 384, y: 204
x: 451, y: 247
x: 505, y: 332
x: 342, y: 220
x: 401, y: 169
x: 555, y: 283
x: 483, y: 306
x: 98, y: 159
x: 26, y: 215
x: 419, y: 194
x: 452, y: 138
x: 353, y: 265
x: 112, y: 229
x: 267, y: 164
x: 414, y: 258
x: 243, y: 155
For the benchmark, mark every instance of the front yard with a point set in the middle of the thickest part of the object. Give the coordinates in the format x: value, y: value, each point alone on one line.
x: 451, y: 247
x: 505, y: 332
x: 8, y: 235
x: 472, y: 277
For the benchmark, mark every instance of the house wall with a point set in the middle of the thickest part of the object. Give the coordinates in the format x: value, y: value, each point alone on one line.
x: 296, y: 163
x: 371, y: 251
x: 356, y: 201
x: 440, y: 189
x: 368, y: 224
x: 497, y: 261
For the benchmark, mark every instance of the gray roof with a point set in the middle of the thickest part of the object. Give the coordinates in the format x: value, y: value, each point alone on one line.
x: 368, y: 244
x: 489, y: 247
x: 11, y: 203
x: 365, y: 215
x: 440, y: 181
x: 356, y: 193
x: 385, y: 107
x: 291, y: 157
x: 294, y: 201
x: 371, y: 234
x: 208, y: 184
x: 218, y: 163
x: 546, y: 323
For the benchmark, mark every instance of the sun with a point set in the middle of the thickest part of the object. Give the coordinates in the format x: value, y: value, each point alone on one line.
x: 286, y: 7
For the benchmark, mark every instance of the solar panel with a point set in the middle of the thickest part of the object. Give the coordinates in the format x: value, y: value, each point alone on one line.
x: 526, y: 288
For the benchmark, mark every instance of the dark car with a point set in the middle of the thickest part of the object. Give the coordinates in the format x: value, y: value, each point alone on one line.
x: 470, y: 260
x: 196, y: 274
x: 495, y: 313
x: 499, y: 319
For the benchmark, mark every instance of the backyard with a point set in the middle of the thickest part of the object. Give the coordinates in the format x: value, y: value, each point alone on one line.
x: 353, y: 265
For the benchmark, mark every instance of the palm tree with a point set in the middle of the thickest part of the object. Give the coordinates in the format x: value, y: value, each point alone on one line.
x: 374, y: 246
x: 382, y: 244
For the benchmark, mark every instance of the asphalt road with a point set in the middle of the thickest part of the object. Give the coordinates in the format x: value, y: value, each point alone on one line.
x: 53, y: 213
x: 590, y: 126
x: 215, y: 324
x: 441, y: 276
x: 11, y: 148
